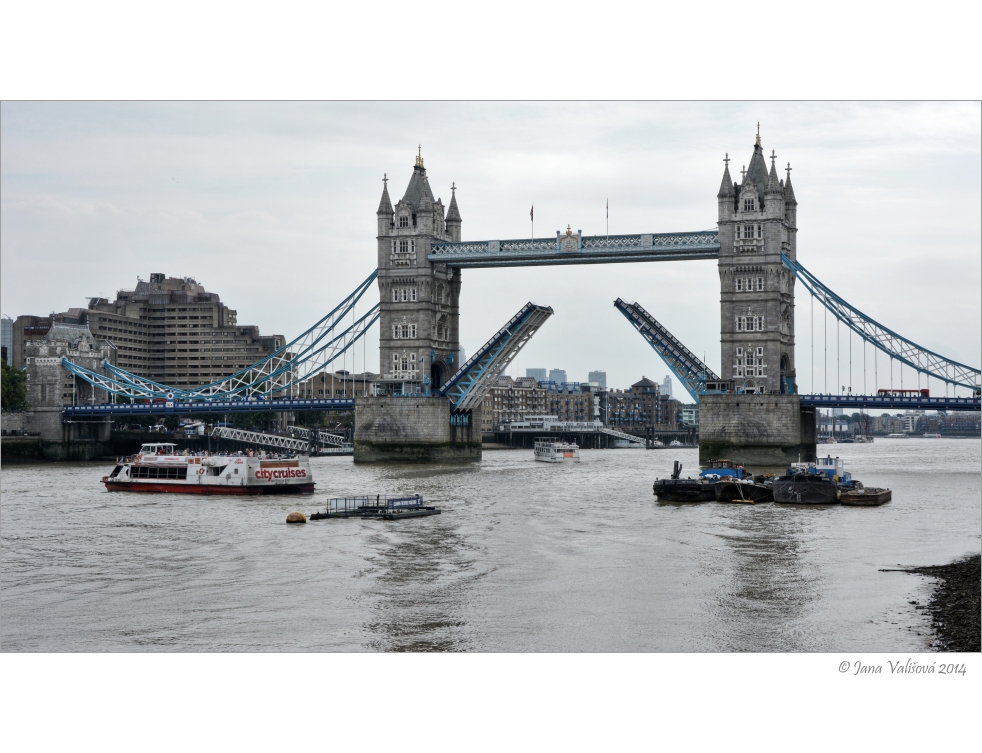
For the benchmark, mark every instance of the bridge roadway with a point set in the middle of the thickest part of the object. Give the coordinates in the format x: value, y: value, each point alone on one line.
x: 577, y: 249
x: 891, y: 402
x: 885, y: 402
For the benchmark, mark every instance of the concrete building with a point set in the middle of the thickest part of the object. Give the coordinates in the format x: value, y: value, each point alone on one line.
x: 50, y: 388
x: 599, y: 377
x: 640, y: 408
x: 168, y: 329
x: 419, y: 337
x: 570, y: 401
x: 538, y: 375
x: 512, y: 400
x: 557, y: 375
x: 689, y: 416
x: 338, y: 384
x: 666, y: 385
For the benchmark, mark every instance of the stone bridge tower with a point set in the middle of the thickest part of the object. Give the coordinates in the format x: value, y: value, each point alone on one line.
x: 419, y: 339
x: 757, y: 223
x: 754, y: 416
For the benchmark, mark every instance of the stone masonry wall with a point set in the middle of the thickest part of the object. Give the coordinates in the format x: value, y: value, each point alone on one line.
x: 412, y: 429
x: 757, y: 430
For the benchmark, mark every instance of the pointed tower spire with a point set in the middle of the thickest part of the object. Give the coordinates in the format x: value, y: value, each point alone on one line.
x: 385, y: 205
x: 453, y: 216
x: 788, y: 190
x: 726, y: 187
x: 773, y: 182
x: 453, y: 213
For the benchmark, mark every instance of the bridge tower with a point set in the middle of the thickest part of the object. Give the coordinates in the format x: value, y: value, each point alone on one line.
x: 419, y: 337
x: 753, y: 414
x: 757, y: 223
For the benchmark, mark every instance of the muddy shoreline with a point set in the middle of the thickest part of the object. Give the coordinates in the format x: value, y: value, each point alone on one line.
x: 955, y: 605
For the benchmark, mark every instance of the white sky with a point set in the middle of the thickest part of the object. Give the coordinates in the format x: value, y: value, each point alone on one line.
x: 272, y: 205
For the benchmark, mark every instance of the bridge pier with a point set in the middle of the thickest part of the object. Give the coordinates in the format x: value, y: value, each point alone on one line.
x: 414, y: 429
x: 767, y: 431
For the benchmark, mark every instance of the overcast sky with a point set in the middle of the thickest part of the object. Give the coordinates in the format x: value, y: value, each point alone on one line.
x: 272, y: 205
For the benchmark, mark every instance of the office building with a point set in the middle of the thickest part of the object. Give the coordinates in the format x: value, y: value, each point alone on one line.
x: 538, y: 375
x: 599, y: 378
x: 170, y: 330
x: 557, y: 375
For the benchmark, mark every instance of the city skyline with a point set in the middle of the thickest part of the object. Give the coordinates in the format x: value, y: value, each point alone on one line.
x: 273, y: 206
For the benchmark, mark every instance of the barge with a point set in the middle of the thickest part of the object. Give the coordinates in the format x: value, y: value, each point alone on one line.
x: 160, y: 468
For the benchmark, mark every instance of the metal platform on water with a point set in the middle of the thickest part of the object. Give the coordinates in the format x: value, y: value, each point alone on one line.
x: 378, y: 507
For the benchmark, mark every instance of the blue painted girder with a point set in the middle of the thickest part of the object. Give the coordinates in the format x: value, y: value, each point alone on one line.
x: 894, y: 345
x: 216, y: 406
x: 686, y: 366
x: 889, y: 401
x: 466, y: 388
x: 577, y: 249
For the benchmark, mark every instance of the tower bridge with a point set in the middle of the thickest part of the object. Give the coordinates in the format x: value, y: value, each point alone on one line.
x: 426, y: 404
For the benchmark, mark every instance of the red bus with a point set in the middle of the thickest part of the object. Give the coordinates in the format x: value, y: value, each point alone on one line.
x: 904, y: 393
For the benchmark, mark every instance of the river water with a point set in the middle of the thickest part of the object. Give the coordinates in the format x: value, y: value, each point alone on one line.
x: 526, y: 556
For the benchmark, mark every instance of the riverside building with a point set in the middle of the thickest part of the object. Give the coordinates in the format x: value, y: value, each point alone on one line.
x: 168, y: 329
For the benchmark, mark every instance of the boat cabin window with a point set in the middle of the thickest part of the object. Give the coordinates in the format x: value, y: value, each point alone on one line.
x: 157, y: 449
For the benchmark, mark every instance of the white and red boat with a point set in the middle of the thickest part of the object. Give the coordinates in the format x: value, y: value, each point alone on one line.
x: 158, y: 468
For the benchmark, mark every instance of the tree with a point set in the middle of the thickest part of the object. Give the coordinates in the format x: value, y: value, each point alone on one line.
x: 13, y: 384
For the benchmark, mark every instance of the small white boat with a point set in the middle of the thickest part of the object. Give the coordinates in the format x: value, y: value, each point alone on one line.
x: 932, y: 436
x: 675, y: 443
x: 550, y: 451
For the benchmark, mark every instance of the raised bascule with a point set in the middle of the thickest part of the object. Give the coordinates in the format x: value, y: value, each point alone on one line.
x: 426, y: 405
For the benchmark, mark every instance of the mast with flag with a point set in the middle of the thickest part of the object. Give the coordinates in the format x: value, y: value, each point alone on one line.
x: 532, y: 218
x: 608, y: 218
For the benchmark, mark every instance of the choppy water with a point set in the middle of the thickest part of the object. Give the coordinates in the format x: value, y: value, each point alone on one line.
x: 526, y: 557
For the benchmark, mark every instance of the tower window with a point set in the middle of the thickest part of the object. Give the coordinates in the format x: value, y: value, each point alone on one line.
x: 760, y: 231
x: 403, y: 247
x: 739, y: 284
x: 760, y: 352
x: 749, y: 205
x: 403, y: 221
x: 760, y: 283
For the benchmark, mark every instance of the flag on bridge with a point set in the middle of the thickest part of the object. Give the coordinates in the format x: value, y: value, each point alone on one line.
x: 532, y: 213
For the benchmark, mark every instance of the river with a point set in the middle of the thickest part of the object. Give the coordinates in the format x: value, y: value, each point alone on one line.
x: 525, y: 557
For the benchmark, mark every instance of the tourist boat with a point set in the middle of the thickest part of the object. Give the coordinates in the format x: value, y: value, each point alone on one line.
x: 550, y: 451
x: 932, y: 436
x: 159, y: 468
x: 897, y: 436
x: 818, y: 483
x: 702, y: 489
x: 866, y: 497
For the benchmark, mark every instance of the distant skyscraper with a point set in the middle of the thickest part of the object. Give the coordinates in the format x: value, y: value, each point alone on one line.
x: 462, y: 356
x: 666, y: 386
x: 600, y: 377
x: 538, y: 375
x: 557, y: 375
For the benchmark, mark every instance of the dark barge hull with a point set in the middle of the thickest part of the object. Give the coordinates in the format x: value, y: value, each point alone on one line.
x: 805, y: 489
x: 866, y: 497
x: 731, y: 491
x: 684, y: 490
